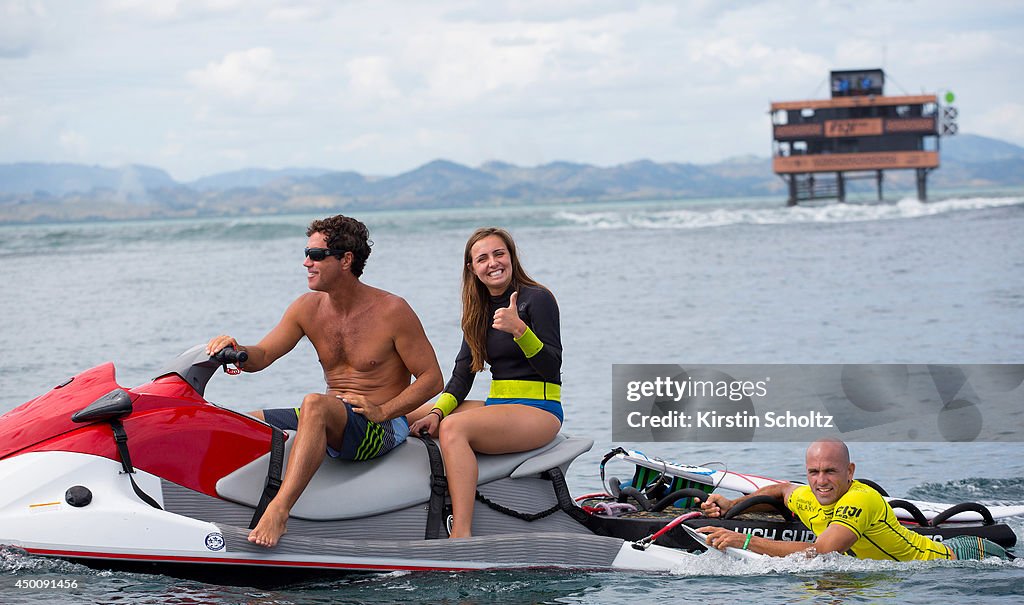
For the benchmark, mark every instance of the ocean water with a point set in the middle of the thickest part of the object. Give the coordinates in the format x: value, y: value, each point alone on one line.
x: 708, y: 281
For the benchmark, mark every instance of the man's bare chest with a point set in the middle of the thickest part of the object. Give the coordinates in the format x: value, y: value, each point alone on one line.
x: 360, y: 344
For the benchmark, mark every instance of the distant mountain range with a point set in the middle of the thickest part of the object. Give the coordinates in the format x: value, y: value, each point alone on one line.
x: 47, y: 192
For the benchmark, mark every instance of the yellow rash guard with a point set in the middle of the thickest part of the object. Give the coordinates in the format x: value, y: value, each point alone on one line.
x: 863, y: 511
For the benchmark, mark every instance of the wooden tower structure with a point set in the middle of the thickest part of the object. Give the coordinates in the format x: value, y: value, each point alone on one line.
x: 859, y: 132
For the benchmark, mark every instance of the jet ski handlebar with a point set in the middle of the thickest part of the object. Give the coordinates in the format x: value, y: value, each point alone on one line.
x: 230, y: 355
x: 196, y: 367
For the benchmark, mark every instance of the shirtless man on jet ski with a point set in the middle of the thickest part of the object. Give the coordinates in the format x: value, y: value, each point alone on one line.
x: 371, y: 346
x: 847, y: 516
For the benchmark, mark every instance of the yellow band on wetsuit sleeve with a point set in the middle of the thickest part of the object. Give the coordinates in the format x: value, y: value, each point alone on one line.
x: 446, y: 403
x: 529, y: 343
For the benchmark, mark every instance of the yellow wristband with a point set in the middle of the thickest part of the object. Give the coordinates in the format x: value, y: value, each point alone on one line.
x: 446, y: 403
x: 529, y: 343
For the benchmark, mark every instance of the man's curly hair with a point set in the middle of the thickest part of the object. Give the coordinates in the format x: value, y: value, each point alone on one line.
x: 345, y: 233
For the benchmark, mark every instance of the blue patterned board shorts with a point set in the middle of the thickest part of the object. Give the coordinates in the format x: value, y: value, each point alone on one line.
x: 363, y: 440
x: 973, y: 547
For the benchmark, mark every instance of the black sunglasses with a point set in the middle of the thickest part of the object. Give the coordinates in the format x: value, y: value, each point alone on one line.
x: 319, y: 254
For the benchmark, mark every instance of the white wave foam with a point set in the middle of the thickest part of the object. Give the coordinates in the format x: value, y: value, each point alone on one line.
x: 713, y: 563
x: 15, y: 560
x: 830, y: 213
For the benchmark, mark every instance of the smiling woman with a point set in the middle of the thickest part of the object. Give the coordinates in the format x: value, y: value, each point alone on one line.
x: 510, y: 322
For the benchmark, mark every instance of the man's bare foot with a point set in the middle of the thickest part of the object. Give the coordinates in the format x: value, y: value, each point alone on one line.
x: 270, y: 528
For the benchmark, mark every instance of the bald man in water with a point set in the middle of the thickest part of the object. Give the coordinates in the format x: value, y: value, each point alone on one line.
x: 846, y: 515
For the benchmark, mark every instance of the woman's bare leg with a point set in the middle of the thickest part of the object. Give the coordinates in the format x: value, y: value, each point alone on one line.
x: 496, y: 429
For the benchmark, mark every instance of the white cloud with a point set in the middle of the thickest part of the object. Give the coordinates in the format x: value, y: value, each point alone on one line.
x: 385, y: 86
x: 245, y: 77
x: 460, y: 64
x: 6, y: 109
x: 297, y: 12
x: 156, y: 10
x: 73, y: 143
x: 235, y: 155
x: 369, y: 80
x: 962, y: 48
x: 1004, y: 121
x: 536, y: 11
x: 21, y: 27
x: 362, y: 142
x: 170, y: 10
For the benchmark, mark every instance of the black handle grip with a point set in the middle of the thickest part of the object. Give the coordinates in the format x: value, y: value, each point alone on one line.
x: 775, y: 503
x: 230, y: 355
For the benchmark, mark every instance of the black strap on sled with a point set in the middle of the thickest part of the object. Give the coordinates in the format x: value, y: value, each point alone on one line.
x: 438, y: 490
x: 514, y: 513
x: 564, y: 503
x: 565, y: 500
x: 121, y: 439
x: 274, y: 472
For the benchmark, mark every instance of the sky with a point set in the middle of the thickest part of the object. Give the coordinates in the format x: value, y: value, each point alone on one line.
x: 198, y: 87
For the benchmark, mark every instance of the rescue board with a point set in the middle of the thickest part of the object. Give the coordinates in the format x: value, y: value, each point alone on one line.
x: 735, y: 553
x: 746, y: 484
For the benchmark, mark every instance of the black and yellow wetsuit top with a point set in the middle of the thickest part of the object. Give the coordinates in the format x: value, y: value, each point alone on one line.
x: 864, y: 512
x: 524, y: 368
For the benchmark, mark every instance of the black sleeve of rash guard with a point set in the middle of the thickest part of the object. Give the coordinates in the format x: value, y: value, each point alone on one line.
x: 542, y: 317
x: 462, y: 377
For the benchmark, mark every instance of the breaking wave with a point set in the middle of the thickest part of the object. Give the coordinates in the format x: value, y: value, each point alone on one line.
x: 709, y: 217
x: 16, y: 240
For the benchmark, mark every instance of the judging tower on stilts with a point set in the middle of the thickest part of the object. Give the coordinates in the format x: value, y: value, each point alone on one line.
x: 819, y: 145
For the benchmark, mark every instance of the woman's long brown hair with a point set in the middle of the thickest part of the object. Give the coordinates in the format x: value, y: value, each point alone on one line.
x: 476, y: 298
